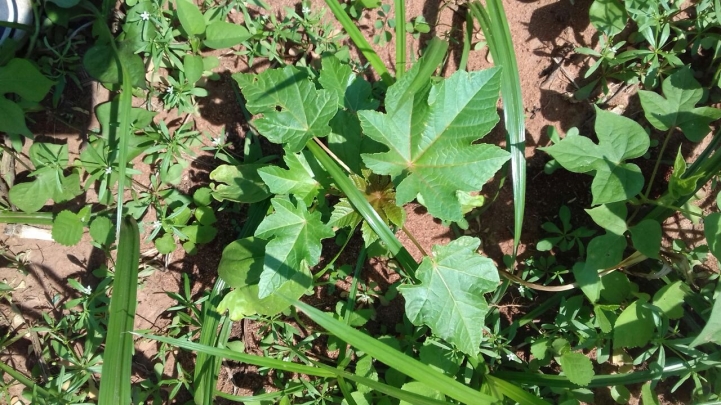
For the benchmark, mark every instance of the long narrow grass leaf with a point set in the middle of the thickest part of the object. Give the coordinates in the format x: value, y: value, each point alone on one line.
x: 241, y: 357
x: 400, y: 10
x: 495, y: 27
x: 514, y: 392
x: 29, y: 218
x: 360, y: 41
x: 392, y: 357
x: 673, y: 367
x: 118, y: 356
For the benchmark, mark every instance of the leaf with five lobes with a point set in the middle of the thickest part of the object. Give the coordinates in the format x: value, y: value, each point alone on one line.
x: 676, y: 108
x: 431, y: 141
x: 577, y: 367
x: 669, y: 299
x: 241, y: 266
x: 603, y: 251
x: 646, y: 237
x: 304, y: 112
x: 298, y: 179
x: 242, y: 183
x: 294, y: 236
x: 346, y: 139
x: 634, y: 327
x: 620, y: 138
x: 67, y: 228
x: 449, y: 298
x: 352, y: 92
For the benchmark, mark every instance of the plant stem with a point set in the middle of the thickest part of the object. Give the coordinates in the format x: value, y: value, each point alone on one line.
x: 658, y: 163
x: 413, y: 239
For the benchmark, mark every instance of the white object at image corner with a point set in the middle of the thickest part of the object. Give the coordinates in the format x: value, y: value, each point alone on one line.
x: 15, y: 11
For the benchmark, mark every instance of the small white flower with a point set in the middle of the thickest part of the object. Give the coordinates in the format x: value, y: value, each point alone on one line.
x: 145, y: 16
x: 521, y: 289
x: 217, y: 141
x: 108, y: 170
x: 169, y: 90
x: 156, y: 224
x: 306, y: 9
x: 511, y: 356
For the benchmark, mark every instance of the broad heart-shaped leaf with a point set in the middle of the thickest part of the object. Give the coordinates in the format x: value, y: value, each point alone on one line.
x: 12, y: 120
x: 431, y: 141
x: 304, y: 111
x: 677, y: 106
x: 634, y: 327
x: 21, y: 77
x: 449, y: 298
x: 620, y: 138
x: 603, y: 251
x: 294, y: 236
x: 669, y: 299
x: 712, y: 331
x: 241, y: 266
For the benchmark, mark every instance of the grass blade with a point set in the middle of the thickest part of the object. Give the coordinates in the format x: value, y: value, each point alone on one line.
x: 400, y: 10
x: 207, y: 366
x: 241, y: 357
x: 514, y: 392
x: 33, y: 218
x: 118, y: 356
x: 400, y: 361
x: 495, y: 27
x: 360, y: 41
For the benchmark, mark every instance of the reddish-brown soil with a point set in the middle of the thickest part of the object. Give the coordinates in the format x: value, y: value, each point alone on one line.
x: 542, y: 30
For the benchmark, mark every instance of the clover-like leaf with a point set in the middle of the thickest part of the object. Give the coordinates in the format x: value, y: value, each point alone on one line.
x: 620, y: 139
x: 449, y: 298
x: 431, y: 138
x: 677, y: 106
x: 294, y: 236
x: 67, y: 228
x: 293, y: 110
